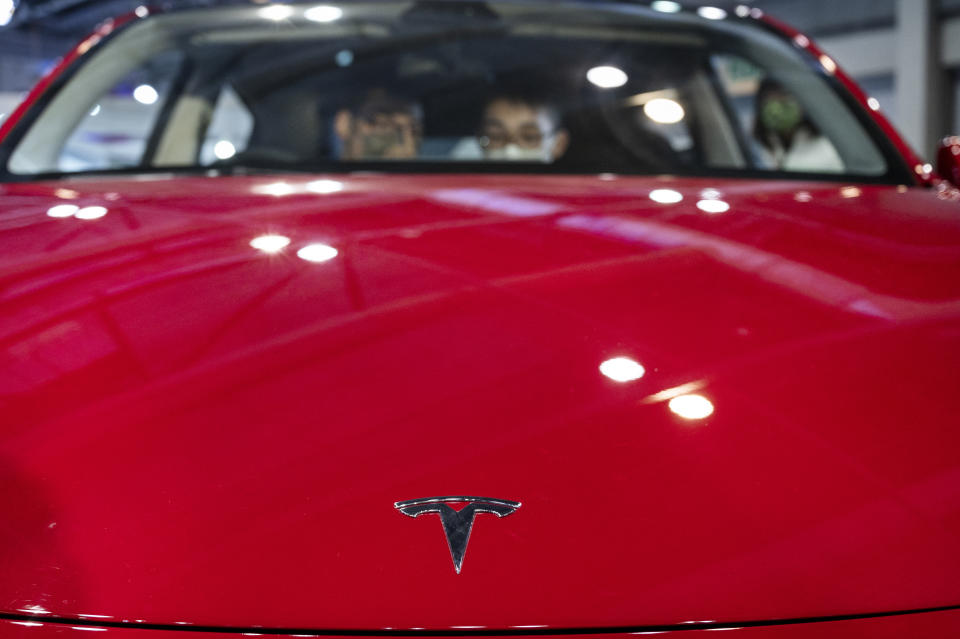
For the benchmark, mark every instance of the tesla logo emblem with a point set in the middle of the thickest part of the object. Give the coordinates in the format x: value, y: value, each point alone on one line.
x: 457, y: 524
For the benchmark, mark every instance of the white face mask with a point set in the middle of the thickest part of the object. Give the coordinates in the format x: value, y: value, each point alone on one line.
x: 519, y: 154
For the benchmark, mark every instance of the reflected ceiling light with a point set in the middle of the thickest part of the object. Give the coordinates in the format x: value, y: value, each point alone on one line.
x: 742, y: 11
x: 276, y: 189
x: 323, y: 13
x: 713, y: 207
x: 141, y: 11
x: 803, y: 196
x: 712, y: 13
x: 607, y: 77
x: 270, y: 243
x: 324, y: 186
x: 801, y: 41
x: 664, y: 111
x: 95, y: 110
x: 873, y: 103
x: 828, y: 64
x: 666, y: 196
x: 91, y: 213
x: 63, y: 210
x: 317, y: 253
x: 145, y: 94
x: 850, y: 192
x: 276, y: 12
x: 7, y: 7
x: 224, y: 150
x: 691, y: 406
x: 666, y: 6
x: 622, y: 369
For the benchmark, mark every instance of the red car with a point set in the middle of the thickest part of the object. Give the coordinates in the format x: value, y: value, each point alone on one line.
x: 464, y: 318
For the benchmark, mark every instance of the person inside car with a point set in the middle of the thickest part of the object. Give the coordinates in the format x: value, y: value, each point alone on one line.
x: 519, y: 128
x: 380, y: 126
x: 790, y: 141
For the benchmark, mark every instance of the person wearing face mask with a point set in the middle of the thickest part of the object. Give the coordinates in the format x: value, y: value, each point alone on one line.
x: 381, y: 126
x: 790, y: 140
x: 521, y: 129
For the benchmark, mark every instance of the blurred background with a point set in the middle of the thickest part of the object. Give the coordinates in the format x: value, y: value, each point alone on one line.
x: 905, y: 53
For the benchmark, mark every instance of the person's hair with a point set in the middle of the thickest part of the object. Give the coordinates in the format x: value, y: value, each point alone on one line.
x: 381, y: 102
x: 528, y: 99
x: 763, y: 134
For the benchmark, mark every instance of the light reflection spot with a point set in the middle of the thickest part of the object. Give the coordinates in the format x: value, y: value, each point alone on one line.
x: 317, y: 253
x: 712, y: 13
x: 713, y: 207
x: 270, y: 243
x: 63, y: 210
x: 224, y: 150
x: 324, y: 186
x: 666, y: 196
x: 664, y: 111
x: 607, y: 77
x: 691, y: 406
x: 622, y: 369
x: 666, y: 6
x: 323, y: 13
x: 91, y: 213
x: 276, y: 12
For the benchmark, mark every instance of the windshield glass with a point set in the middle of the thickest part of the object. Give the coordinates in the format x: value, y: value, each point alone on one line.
x: 450, y: 86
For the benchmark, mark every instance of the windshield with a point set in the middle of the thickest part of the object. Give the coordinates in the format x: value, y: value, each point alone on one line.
x: 450, y: 86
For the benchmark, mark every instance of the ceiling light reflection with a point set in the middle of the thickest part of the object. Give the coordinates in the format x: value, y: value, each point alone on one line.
x: 607, y: 77
x: 622, y: 369
x: 276, y: 189
x: 317, y: 253
x: 691, y: 406
x: 323, y: 13
x: 91, y: 213
x: 63, y: 210
x: 224, y: 150
x: 276, y: 12
x: 828, y: 64
x: 666, y: 196
x: 713, y: 207
x: 664, y: 111
x: 324, y: 186
x: 7, y: 7
x: 850, y: 192
x: 145, y: 94
x: 712, y: 13
x: 666, y: 6
x: 270, y: 243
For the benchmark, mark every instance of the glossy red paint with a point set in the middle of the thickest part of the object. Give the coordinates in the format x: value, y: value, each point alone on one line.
x: 929, y: 626
x: 196, y: 431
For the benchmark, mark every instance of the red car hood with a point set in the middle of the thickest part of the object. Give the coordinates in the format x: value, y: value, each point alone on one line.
x: 198, y: 432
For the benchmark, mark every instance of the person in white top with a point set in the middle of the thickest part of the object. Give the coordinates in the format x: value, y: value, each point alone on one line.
x: 790, y: 141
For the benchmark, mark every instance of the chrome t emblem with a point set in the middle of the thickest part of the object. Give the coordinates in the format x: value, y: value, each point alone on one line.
x: 457, y: 524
